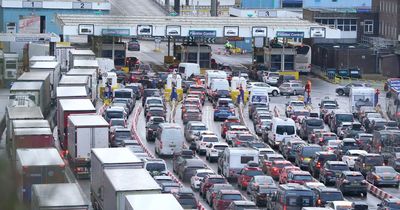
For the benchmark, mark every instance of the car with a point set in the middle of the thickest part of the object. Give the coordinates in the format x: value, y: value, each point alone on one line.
x: 192, y: 130
x: 285, y: 142
x: 253, y: 106
x: 324, y: 137
x: 337, y: 117
x: 163, y: 179
x: 327, y: 108
x: 241, y: 205
x: 215, y: 95
x: 383, y: 175
x: 276, y: 167
x: 331, y: 170
x: 155, y: 111
x: 389, y: 204
x: 246, y: 174
x: 274, y: 91
x: 331, y: 145
x: 319, y: 160
x: 261, y: 193
x: 186, y: 197
x: 299, y: 177
x: 285, y: 171
x: 186, y: 107
x: 242, y: 139
x: 346, y: 145
x: 129, y: 143
x: 339, y: 205
x: 352, y: 182
x: 133, y: 45
x: 169, y: 187
x: 223, y: 112
x: 271, y: 78
x: 209, y: 181
x: 308, y: 125
x: 152, y: 126
x: 117, y: 123
x: 192, y: 115
x: 151, y: 96
x: 179, y: 158
x: 257, y: 181
x: 225, y: 197
x: 233, y: 131
x: 267, y: 159
x: 114, y: 112
x: 155, y: 166
x: 203, y: 142
x: 353, y: 130
x: 351, y: 155
x: 345, y: 90
x: 214, y: 189
x: 137, y: 89
x: 305, y: 153
x: 119, y: 135
x: 129, y: 103
x: 394, y: 161
x: 315, y: 135
x: 198, y: 177
x: 293, y: 105
x: 290, y: 149
x: 365, y: 162
x: 364, y: 140
x: 291, y: 88
x: 342, y: 128
x: 224, y: 102
x: 327, y: 194
x: 233, y: 120
x: 214, y: 150
x: 188, y: 167
x: 261, y: 126
x: 199, y: 95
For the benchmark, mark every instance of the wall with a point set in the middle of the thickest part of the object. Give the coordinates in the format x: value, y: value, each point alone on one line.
x: 239, y: 12
x: 252, y: 4
x: 337, y: 4
x: 389, y: 18
x: 12, y: 15
x: 390, y: 65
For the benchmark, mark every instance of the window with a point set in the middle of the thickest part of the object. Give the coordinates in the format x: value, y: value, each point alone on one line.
x: 11, y: 64
x: 368, y: 26
x: 347, y: 24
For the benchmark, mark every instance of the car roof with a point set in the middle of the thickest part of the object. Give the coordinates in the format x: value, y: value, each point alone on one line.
x: 230, y: 191
x: 352, y: 173
x: 300, y: 172
x: 197, y: 123
x: 335, y: 162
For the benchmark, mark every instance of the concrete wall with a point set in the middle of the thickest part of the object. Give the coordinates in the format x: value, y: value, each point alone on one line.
x: 336, y: 4
x: 390, y: 65
x: 13, y: 14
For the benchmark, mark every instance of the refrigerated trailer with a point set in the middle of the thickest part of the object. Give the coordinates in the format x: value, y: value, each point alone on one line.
x: 65, y: 196
x: 39, y: 58
x: 66, y: 108
x: 37, y: 166
x: 92, y: 74
x: 80, y: 54
x: 146, y: 202
x: 43, y: 77
x: 73, y: 92
x: 31, y: 138
x: 53, y: 67
x: 35, y: 91
x: 85, y: 132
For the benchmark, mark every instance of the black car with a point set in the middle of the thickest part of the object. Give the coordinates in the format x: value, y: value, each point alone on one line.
x: 352, y: 182
x: 331, y: 170
x: 319, y: 160
x: 152, y: 126
x: 345, y: 90
x: 326, y: 194
x: 220, y: 94
x: 186, y: 197
x: 150, y: 92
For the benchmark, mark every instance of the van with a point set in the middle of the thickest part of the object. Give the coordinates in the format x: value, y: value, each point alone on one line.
x: 214, y: 74
x: 279, y: 129
x: 259, y: 95
x: 187, y: 69
x: 169, y: 139
x: 219, y: 84
x: 114, y: 112
x: 233, y: 160
x: 292, y: 196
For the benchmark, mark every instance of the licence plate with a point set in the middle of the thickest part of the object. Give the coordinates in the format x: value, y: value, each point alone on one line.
x: 355, y: 183
x: 172, y: 145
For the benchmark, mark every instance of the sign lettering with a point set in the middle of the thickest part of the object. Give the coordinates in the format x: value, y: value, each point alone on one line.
x: 203, y: 33
x: 290, y: 34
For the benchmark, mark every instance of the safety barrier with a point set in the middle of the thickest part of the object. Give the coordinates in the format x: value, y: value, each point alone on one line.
x: 378, y: 192
x: 102, y: 109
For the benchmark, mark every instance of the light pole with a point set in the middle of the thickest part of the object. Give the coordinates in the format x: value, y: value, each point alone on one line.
x: 348, y: 55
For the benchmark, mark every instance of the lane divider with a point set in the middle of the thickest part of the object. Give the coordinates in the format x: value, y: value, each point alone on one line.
x: 139, y: 139
x: 378, y: 192
x: 101, y: 109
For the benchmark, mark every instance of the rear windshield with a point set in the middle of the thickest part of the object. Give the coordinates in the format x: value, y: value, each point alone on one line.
x: 357, y: 177
x: 310, y: 151
x: 117, y: 122
x: 122, y: 94
x: 115, y: 114
x: 122, y: 134
x: 154, y: 101
x: 199, y: 128
x: 252, y: 172
x: 344, y: 118
x: 246, y: 159
x: 155, y: 167
x: 331, y: 196
x: 330, y: 106
x: 300, y: 201
x: 220, y: 147
x: 374, y: 160
x: 246, y: 138
x: 210, y: 139
x: 339, y: 167
x: 217, y: 180
x: 196, y: 88
x: 314, y: 122
x: 188, y: 202
x: 281, y: 165
x: 327, y: 157
x: 303, y: 177
x: 233, y: 197
x: 288, y: 129
x: 349, y: 143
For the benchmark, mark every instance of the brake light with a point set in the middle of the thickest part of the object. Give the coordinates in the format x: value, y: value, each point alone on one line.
x: 320, y: 140
x: 318, y: 164
x: 319, y: 202
x: 161, y: 145
x: 274, y: 169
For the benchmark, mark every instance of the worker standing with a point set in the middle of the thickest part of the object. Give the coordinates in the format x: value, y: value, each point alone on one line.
x: 377, y: 92
x: 308, y: 92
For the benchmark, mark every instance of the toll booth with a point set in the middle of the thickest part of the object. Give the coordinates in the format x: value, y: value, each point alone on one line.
x: 258, y: 55
x: 189, y: 53
x: 104, y: 47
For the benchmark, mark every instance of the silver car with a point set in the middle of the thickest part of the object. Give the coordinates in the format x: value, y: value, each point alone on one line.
x: 292, y: 88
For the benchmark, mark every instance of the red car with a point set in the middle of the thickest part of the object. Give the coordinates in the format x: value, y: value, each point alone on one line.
x: 225, y: 197
x: 225, y: 125
x: 299, y: 177
x: 276, y: 167
x: 135, y: 76
x: 200, y: 94
x: 246, y: 174
x: 285, y: 171
x: 209, y: 181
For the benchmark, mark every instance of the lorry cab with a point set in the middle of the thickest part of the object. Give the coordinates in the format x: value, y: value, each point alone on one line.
x: 279, y: 129
x: 235, y: 159
x: 169, y: 139
x: 187, y: 69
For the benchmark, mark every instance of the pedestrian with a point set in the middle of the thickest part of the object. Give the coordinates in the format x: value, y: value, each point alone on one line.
x: 241, y: 95
x: 377, y: 92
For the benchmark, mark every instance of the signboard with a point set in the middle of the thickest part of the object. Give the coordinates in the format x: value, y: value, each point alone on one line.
x: 259, y: 31
x: 259, y: 42
x: 267, y: 13
x: 31, y: 39
x: 11, y: 28
x: 144, y: 30
x: 81, y: 5
x: 115, y: 32
x: 317, y: 32
x: 230, y: 31
x: 32, y: 4
x: 259, y: 99
x: 29, y: 25
x: 173, y: 31
x: 234, y: 38
x: 85, y: 29
x: 290, y: 34
x: 203, y: 33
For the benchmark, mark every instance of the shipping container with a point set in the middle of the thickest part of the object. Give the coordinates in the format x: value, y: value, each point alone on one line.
x: 146, y: 202
x: 35, y: 91
x: 52, y: 67
x: 31, y: 138
x: 37, y: 166
x: 58, y: 197
x: 43, y: 77
x: 109, y: 158
x: 119, y: 183
x: 66, y: 108
x: 85, y: 132
x: 76, y: 54
x: 92, y: 74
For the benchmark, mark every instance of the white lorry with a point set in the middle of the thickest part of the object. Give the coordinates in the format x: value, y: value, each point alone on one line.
x: 146, y: 202
x: 187, y: 69
x: 233, y: 160
x: 214, y: 74
x: 85, y: 131
x: 361, y: 97
x: 92, y: 74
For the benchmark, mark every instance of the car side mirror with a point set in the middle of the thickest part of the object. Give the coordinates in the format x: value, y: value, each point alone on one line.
x: 379, y: 204
x: 319, y: 104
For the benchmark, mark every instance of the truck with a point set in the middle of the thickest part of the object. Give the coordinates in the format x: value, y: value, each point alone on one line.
x: 105, y: 65
x: 31, y: 138
x: 86, y: 64
x: 43, y: 77
x: 80, y: 54
x: 92, y: 74
x: 214, y: 74
x: 34, y: 91
x: 62, y: 55
x: 361, y: 97
x: 119, y: 183
x: 19, y: 113
x: 233, y: 160
x: 85, y: 131
x: 53, y: 197
x: 109, y: 158
x: 41, y: 58
x: 68, y: 81
x: 66, y: 108
x: 145, y: 202
x: 73, y: 92
x: 53, y: 67
x: 37, y: 166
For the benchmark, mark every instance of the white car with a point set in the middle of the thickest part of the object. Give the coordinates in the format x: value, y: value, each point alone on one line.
x: 271, y: 78
x: 198, y: 177
x: 331, y: 145
x: 213, y: 150
x: 203, y: 141
x: 263, y: 151
x: 339, y: 205
x: 274, y: 91
x: 350, y: 156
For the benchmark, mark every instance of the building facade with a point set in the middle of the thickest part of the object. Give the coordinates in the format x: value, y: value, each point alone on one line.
x: 337, y: 3
x: 389, y: 18
x: 18, y: 16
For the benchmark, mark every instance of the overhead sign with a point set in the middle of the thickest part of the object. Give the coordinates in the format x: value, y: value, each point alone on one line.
x: 32, y: 4
x: 290, y: 34
x: 259, y: 31
x: 173, y: 30
x: 86, y: 29
x: 203, y: 33
x: 317, y: 32
x: 82, y: 5
x: 144, y: 30
x: 115, y: 32
x: 259, y: 42
x: 231, y: 31
x: 267, y: 13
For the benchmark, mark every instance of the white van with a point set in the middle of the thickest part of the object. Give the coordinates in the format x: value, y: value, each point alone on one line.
x: 187, y: 69
x: 233, y: 160
x: 214, y: 74
x: 219, y: 84
x: 279, y: 129
x: 259, y: 95
x: 169, y: 139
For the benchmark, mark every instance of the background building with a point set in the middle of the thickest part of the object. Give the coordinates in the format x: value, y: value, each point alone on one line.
x: 337, y: 3
x: 389, y: 18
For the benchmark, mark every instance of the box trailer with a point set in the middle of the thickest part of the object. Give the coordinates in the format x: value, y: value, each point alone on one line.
x: 74, y: 92
x: 37, y: 166
x: 85, y: 132
x: 30, y: 124
x: 109, y: 158
x: 80, y: 54
x: 92, y: 74
x: 39, y: 58
x: 43, y: 77
x: 34, y: 91
x: 19, y: 113
x: 68, y: 81
x: 121, y: 182
x: 53, y: 67
x: 146, y: 202
x: 58, y: 197
x: 66, y: 108
x: 62, y: 55
x: 31, y: 138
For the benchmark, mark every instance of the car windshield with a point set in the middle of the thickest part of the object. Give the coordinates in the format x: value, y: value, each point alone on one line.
x: 115, y: 114
x: 331, y: 196
x: 203, y: 174
x: 344, y: 118
x: 281, y: 165
x: 199, y: 128
x: 123, y: 134
x: 327, y: 157
x: 223, y: 92
x: 355, y: 177
x: 302, y: 177
x: 365, y: 138
x: 276, y: 158
x: 119, y: 122
x: 194, y: 88
x: 187, y: 202
x: 300, y: 201
x: 232, y: 197
x: 252, y: 173
x: 285, y: 129
x: 258, y: 145
x: 349, y: 144
x: 385, y: 170
x: 246, y: 138
x: 158, y: 120
x: 302, y: 113
x: 220, y: 147
x: 210, y: 139
x: 314, y: 122
x: 297, y: 103
x: 264, y: 180
x: 154, y: 101
x: 155, y: 166
x: 217, y: 180
x: 273, y: 74
x: 122, y: 94
x: 330, y: 106
x: 339, y: 167
x: 310, y: 151
x: 378, y: 160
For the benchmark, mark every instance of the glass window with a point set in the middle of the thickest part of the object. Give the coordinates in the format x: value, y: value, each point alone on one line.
x: 246, y: 159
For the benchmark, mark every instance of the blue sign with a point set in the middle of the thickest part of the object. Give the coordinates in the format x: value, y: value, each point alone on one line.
x: 290, y: 34
x: 116, y: 32
x: 259, y: 99
x: 203, y: 33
